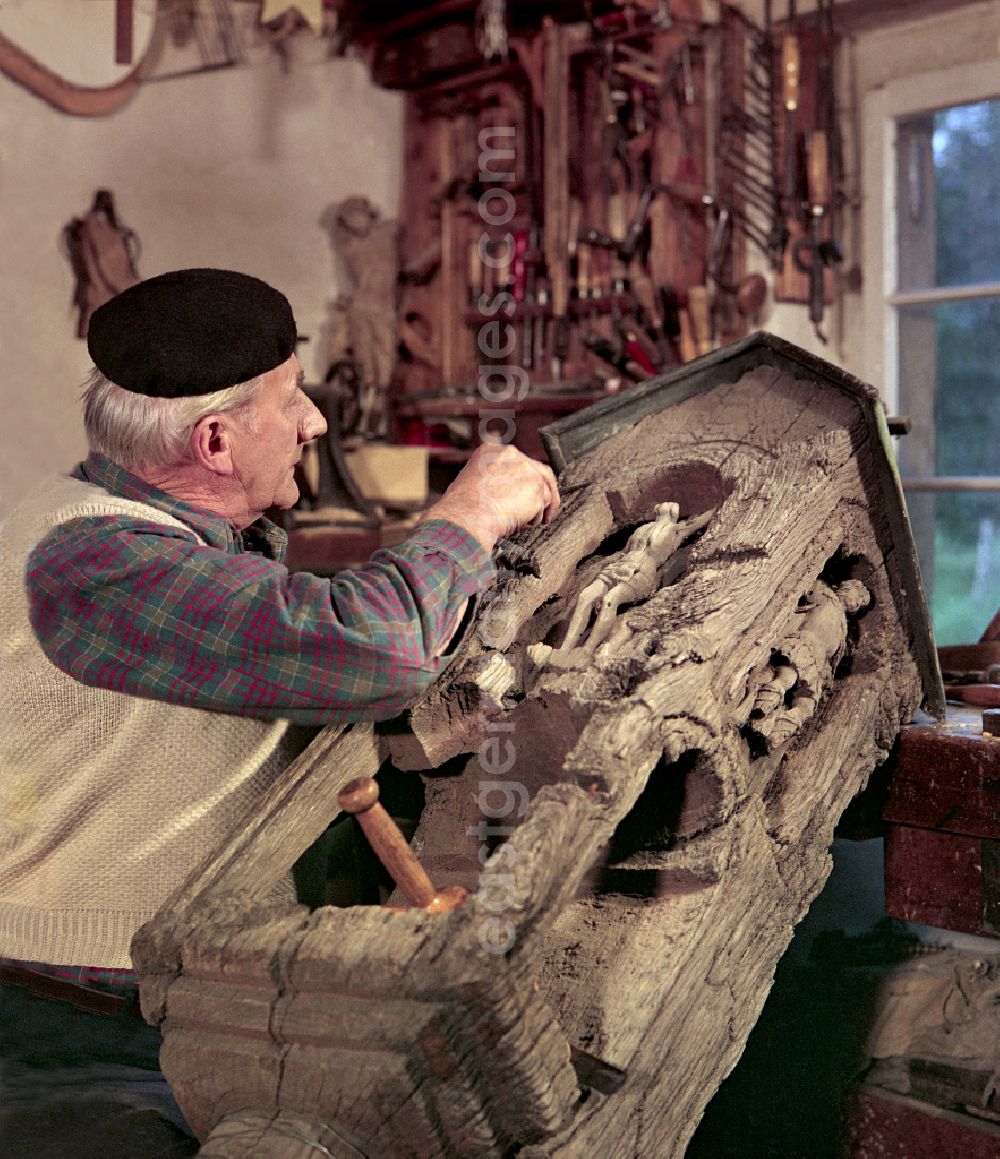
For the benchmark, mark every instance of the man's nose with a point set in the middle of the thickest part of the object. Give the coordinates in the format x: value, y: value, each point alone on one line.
x: 313, y: 423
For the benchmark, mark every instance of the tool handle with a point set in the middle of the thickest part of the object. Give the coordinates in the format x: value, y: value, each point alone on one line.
x: 818, y: 171
x: 700, y: 311
x: 360, y: 797
x: 686, y: 339
x: 791, y: 66
x: 642, y: 291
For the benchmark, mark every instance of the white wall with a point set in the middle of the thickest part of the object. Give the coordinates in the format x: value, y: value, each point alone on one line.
x: 230, y: 168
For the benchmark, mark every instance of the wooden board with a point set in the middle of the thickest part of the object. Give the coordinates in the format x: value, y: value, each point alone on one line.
x: 946, y: 777
x: 949, y: 880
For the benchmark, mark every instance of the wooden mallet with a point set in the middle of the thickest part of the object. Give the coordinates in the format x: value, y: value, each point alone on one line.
x: 360, y: 797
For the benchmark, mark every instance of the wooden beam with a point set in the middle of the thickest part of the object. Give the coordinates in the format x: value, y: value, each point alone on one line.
x: 123, y: 31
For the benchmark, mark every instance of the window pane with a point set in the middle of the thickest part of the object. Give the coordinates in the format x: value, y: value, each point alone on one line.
x: 948, y: 180
x: 950, y: 389
x: 967, y: 396
x: 965, y: 592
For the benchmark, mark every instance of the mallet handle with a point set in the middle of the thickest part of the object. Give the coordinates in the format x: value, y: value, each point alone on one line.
x: 360, y: 797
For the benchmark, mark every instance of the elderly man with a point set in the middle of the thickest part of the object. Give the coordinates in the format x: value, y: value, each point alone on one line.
x: 157, y: 660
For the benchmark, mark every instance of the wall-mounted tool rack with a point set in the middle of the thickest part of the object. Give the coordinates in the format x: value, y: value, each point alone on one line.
x: 575, y: 211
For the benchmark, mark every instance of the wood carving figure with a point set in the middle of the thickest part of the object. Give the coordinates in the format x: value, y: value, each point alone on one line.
x: 103, y: 256
x: 803, y: 663
x: 368, y: 247
x: 936, y: 1029
x: 629, y: 578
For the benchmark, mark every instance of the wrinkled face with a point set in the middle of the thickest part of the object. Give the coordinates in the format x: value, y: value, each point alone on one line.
x: 266, y: 450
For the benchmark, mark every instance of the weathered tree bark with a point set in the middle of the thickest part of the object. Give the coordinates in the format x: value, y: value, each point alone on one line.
x: 641, y: 813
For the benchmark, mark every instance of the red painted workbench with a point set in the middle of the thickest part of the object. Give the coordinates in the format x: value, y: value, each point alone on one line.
x: 942, y: 825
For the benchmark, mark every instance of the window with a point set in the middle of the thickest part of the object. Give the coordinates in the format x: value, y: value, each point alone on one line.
x: 938, y: 323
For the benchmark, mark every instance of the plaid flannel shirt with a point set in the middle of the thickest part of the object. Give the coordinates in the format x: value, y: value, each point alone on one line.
x: 146, y: 609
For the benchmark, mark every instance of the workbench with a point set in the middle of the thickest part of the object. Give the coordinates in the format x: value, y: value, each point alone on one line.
x: 929, y: 1090
x: 942, y: 825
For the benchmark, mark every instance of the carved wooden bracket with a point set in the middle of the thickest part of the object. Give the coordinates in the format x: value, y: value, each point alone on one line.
x: 639, y: 824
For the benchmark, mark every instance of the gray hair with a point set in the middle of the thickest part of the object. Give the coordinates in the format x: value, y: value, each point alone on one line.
x: 137, y: 431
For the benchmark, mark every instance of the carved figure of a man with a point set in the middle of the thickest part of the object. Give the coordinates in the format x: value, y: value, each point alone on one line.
x: 811, y: 653
x: 631, y: 576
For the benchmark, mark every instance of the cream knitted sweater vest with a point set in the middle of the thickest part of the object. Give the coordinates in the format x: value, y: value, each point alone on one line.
x: 107, y: 801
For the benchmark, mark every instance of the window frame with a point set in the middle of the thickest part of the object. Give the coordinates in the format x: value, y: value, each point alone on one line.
x: 883, y: 108
x: 883, y: 111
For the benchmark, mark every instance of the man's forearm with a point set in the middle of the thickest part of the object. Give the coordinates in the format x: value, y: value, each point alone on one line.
x: 161, y: 616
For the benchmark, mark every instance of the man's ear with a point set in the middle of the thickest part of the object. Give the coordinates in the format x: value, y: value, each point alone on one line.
x: 212, y: 446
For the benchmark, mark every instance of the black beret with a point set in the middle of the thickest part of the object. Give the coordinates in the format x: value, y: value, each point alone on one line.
x: 191, y: 332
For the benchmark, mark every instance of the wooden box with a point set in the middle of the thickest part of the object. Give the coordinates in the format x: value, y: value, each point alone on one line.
x: 390, y: 476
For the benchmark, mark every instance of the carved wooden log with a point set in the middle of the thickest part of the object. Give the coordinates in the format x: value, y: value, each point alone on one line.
x: 641, y: 813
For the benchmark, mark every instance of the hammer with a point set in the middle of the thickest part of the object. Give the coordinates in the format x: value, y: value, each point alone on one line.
x: 360, y: 797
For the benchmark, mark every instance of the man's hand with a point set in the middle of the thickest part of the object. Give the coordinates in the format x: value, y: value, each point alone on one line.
x: 497, y: 491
